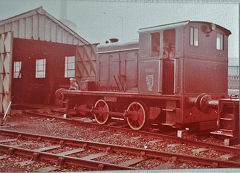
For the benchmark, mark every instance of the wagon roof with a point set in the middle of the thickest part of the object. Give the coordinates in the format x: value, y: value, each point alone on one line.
x: 179, y: 24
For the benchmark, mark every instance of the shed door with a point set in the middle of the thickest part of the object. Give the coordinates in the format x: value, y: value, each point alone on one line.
x: 85, y: 62
x: 6, y: 40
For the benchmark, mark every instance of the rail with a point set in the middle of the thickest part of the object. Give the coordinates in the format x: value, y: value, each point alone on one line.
x: 108, y: 147
x: 223, y: 148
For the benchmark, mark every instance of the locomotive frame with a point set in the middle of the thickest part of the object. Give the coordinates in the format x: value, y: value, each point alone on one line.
x: 177, y: 76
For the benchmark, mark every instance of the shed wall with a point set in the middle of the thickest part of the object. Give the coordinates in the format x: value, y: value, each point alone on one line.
x: 30, y: 89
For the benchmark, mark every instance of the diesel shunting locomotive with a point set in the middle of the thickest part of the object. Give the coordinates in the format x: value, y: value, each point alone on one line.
x: 175, y: 75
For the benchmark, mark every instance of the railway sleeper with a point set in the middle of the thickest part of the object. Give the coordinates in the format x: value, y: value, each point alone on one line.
x: 148, y: 153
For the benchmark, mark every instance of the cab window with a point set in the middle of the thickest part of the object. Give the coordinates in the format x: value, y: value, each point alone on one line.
x: 155, y: 44
x: 193, y: 36
x: 219, y: 41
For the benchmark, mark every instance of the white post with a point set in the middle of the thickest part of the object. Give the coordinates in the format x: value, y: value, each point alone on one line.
x: 7, y: 110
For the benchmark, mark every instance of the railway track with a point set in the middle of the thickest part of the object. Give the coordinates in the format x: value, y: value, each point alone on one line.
x: 95, y: 156
x: 173, y: 138
x: 27, y: 145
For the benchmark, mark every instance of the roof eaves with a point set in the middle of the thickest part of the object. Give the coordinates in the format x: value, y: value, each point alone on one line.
x: 19, y: 16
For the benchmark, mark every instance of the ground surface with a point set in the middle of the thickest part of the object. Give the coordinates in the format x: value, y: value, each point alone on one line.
x: 50, y: 126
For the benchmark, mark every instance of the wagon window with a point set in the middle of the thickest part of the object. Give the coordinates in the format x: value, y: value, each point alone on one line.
x: 193, y: 36
x: 40, y: 68
x: 17, y: 69
x: 155, y: 44
x: 69, y: 66
x: 219, y: 44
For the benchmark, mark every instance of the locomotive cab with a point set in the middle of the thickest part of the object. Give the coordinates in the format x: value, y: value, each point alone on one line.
x: 157, y: 56
x: 182, y: 61
x: 174, y: 59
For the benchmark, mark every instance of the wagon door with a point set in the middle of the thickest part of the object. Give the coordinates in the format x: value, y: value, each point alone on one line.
x: 6, y: 40
x: 131, y: 70
x: 114, y: 70
x: 103, y: 70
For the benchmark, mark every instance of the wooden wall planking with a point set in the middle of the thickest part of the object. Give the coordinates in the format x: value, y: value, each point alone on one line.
x: 39, y: 27
x: 22, y: 24
x: 15, y: 28
x: 1, y: 28
x: 29, y: 27
x: 47, y: 32
x: 59, y: 34
x: 64, y: 37
x: 75, y: 41
x: 35, y: 22
x: 53, y: 32
x: 8, y: 27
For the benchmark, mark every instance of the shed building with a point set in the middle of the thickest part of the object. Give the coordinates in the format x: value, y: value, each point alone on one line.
x: 38, y: 55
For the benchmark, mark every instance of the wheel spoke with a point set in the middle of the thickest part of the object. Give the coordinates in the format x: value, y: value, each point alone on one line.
x: 140, y: 111
x: 137, y: 123
x: 136, y: 107
x: 140, y: 119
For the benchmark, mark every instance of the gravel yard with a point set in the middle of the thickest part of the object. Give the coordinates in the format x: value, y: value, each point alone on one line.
x: 95, y: 133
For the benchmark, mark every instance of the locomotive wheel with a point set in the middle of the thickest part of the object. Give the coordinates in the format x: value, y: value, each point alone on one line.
x: 137, y: 115
x: 101, y: 117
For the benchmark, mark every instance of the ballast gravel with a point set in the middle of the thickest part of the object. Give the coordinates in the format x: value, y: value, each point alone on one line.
x: 53, y: 127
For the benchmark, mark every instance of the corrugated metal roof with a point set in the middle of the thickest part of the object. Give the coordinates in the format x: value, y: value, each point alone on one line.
x: 38, y: 24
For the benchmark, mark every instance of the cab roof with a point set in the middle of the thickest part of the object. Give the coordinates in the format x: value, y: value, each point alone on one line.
x: 180, y: 24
